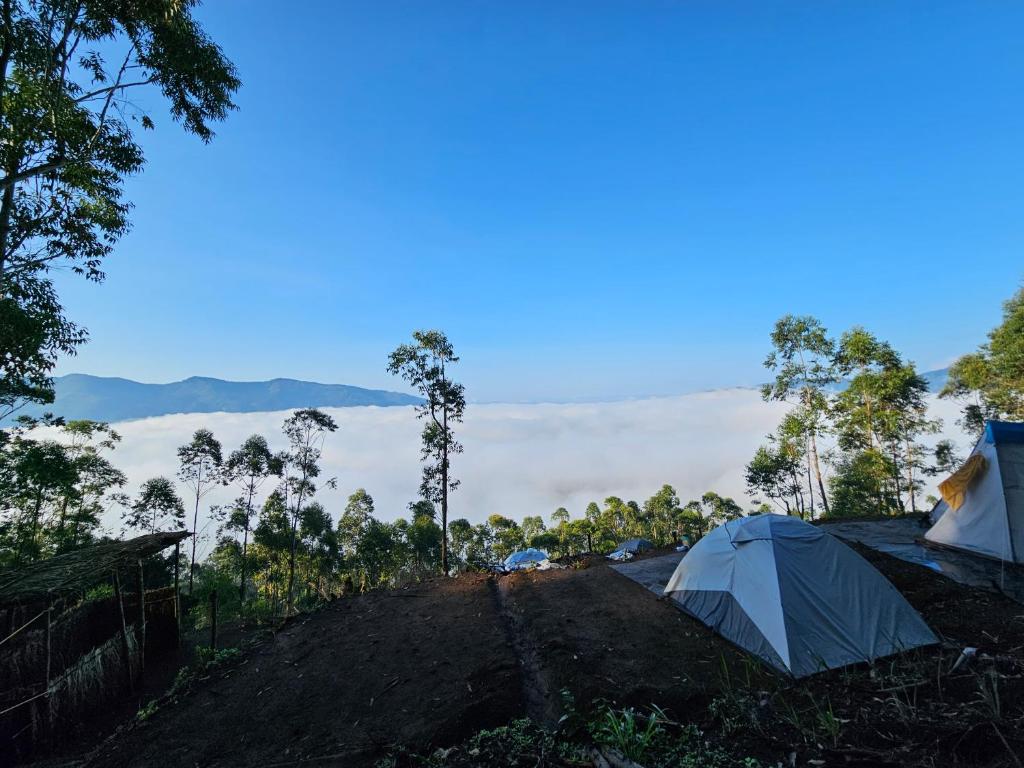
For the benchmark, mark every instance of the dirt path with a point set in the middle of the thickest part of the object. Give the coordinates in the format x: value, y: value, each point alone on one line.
x: 542, y: 702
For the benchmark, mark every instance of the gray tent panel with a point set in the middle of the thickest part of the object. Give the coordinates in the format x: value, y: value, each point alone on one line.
x: 720, y: 611
x: 839, y: 609
x: 1011, y: 470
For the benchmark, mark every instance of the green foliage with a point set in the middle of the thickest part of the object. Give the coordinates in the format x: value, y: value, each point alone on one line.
x: 860, y: 485
x: 633, y: 735
x: 156, y: 506
x: 877, y: 420
x: 649, y: 739
x: 989, y: 383
x: 68, y: 117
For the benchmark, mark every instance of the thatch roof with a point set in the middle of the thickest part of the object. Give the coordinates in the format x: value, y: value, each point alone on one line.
x: 79, y: 570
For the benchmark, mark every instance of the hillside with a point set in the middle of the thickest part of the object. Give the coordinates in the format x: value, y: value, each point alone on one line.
x: 425, y: 667
x: 80, y: 396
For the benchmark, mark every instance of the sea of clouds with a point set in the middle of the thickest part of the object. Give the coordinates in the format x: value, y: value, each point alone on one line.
x: 519, y: 459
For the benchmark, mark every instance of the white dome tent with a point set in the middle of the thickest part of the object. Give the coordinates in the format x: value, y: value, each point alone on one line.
x: 794, y: 596
x: 982, y: 509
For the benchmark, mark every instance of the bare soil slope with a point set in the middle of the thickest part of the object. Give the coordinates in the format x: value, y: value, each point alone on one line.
x: 419, y: 666
x: 426, y: 666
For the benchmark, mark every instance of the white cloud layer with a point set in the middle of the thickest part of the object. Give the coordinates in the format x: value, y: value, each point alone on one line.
x: 518, y: 460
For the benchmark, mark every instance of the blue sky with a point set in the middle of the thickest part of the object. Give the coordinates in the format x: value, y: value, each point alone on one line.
x: 593, y: 199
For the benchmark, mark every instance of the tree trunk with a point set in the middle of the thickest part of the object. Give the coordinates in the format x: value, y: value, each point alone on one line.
x: 810, y: 480
x: 195, y: 534
x: 245, y: 546
x: 291, y: 558
x: 817, y: 471
x: 896, y: 478
x: 444, y: 480
x: 910, y: 475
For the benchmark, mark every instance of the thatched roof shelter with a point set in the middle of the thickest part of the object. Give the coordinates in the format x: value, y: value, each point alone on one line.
x: 74, y: 572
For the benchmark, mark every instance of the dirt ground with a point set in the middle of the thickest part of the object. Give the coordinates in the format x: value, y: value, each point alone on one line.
x: 429, y: 665
x: 426, y: 665
x: 603, y: 637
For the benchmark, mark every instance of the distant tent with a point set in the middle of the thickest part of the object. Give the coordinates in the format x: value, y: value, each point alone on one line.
x: 628, y: 549
x: 635, y: 545
x: 794, y: 596
x: 982, y: 509
x: 527, y: 558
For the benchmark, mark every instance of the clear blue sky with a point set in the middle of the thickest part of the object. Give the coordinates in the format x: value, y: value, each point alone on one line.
x: 593, y: 199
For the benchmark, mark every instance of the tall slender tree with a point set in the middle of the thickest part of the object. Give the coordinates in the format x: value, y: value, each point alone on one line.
x: 249, y: 467
x: 803, y: 363
x: 306, y: 430
x: 425, y: 365
x: 200, y: 463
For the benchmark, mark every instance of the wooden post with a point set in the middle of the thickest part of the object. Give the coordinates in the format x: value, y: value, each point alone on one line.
x: 49, y: 658
x: 213, y: 619
x: 125, y: 645
x: 140, y: 585
x: 177, y: 593
x: 49, y: 642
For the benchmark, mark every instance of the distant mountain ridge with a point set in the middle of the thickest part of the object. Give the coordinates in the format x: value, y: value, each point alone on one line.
x: 936, y: 381
x: 80, y: 396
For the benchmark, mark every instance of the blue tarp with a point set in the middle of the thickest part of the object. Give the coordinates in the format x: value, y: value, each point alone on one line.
x: 524, y: 559
x: 634, y: 546
x: 1004, y: 432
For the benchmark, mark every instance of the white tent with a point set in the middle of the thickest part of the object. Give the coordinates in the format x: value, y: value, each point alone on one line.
x: 990, y: 517
x: 794, y: 596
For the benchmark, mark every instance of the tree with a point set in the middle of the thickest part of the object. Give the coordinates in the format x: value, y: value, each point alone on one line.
x: 462, y: 540
x: 272, y: 539
x: 990, y: 382
x: 200, y: 469
x: 381, y: 552
x: 661, y: 511
x: 859, y: 485
x: 882, y: 411
x: 692, y: 522
x: 773, y: 472
x: 68, y: 115
x: 424, y: 364
x: 320, y: 545
x: 34, y: 475
x: 532, y: 525
x: 803, y: 365
x: 423, y: 535
x: 720, y: 509
x: 945, y: 459
x: 508, y: 536
x: 157, y: 503
x: 354, y: 519
x: 96, y: 476
x: 306, y: 430
x: 249, y: 467
x: 862, y: 356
